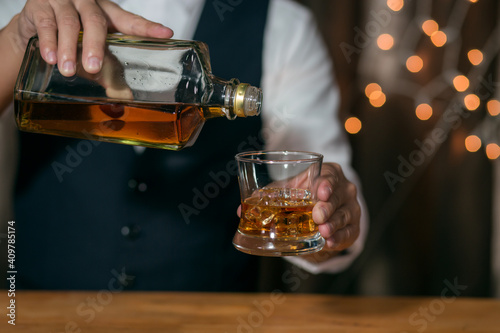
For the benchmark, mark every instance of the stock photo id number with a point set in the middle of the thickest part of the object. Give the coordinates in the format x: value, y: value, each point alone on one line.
x: 11, y: 272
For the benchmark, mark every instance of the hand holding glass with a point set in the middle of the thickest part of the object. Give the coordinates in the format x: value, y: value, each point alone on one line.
x: 278, y: 193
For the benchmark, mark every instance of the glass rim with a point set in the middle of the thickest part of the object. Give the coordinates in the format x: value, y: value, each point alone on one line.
x: 311, y: 156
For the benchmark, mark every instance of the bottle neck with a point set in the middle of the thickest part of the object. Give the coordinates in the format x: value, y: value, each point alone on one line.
x: 234, y: 99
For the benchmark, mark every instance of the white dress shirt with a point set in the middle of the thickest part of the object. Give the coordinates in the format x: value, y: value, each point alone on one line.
x: 300, y: 96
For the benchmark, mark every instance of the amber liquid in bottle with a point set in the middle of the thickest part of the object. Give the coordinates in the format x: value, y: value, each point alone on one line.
x: 171, y: 126
x: 278, y: 213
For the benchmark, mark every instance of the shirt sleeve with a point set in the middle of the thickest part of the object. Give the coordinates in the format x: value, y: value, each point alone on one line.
x: 300, y: 106
x: 9, y: 10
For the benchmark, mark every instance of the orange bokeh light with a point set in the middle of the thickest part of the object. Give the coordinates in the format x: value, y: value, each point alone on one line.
x: 414, y: 64
x: 378, y: 99
x: 472, y: 102
x: 439, y: 38
x: 395, y: 5
x: 461, y: 83
x: 371, y: 88
x: 385, y: 42
x: 423, y: 111
x: 475, y: 57
x: 429, y: 27
x: 472, y: 143
x: 493, y: 107
x: 492, y: 151
x: 352, y: 125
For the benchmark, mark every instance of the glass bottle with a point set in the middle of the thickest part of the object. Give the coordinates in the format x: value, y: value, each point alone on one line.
x: 149, y: 92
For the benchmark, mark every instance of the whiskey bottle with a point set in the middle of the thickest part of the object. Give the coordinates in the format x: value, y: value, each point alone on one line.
x: 150, y: 92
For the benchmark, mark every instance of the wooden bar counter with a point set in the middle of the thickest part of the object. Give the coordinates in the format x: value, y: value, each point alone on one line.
x: 109, y: 312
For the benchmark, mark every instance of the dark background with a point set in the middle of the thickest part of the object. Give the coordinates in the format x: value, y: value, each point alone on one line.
x: 435, y: 223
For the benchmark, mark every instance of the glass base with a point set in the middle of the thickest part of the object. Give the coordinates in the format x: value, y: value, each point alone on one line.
x: 272, y: 247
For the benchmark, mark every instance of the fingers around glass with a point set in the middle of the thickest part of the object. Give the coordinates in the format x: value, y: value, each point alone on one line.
x: 58, y: 24
x: 340, y: 219
x: 343, y: 238
x: 95, y: 25
x: 324, y: 189
x: 68, y: 25
x: 43, y: 22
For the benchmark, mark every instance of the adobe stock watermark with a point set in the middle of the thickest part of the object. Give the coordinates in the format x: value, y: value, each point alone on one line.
x: 75, y: 156
x: 452, y: 119
x: 87, y: 310
x: 264, y: 309
x: 223, y: 6
x: 220, y: 179
x: 427, y: 314
x: 427, y: 148
x: 363, y: 38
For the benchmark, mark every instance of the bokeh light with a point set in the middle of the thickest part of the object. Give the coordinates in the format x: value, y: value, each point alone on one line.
x: 371, y: 87
x: 439, y: 38
x: 373, y: 91
x: 378, y: 99
x: 429, y: 27
x: 423, y: 111
x: 414, y: 64
x: 471, y: 102
x: 461, y: 83
x: 493, y: 107
x: 395, y: 5
x: 385, y: 42
x: 472, y: 143
x: 352, y: 125
x: 492, y: 151
x: 475, y: 57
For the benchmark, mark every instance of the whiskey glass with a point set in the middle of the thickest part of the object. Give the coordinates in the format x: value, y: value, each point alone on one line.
x: 278, y: 193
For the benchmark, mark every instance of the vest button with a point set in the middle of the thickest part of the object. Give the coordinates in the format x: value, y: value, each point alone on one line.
x: 142, y: 187
x: 136, y: 186
x: 131, y: 232
x: 132, y: 183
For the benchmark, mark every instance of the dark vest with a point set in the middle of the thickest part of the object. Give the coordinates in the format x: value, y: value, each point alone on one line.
x: 93, y: 215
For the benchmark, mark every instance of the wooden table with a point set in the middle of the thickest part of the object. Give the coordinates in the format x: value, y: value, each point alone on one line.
x: 104, y: 311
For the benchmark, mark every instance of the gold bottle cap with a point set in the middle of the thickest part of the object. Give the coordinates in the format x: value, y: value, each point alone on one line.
x: 247, y: 100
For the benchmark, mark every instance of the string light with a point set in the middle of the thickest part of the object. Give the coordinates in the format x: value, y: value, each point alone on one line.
x: 461, y: 83
x: 492, y: 151
x: 374, y: 93
x: 493, y: 107
x: 395, y: 5
x: 414, y: 64
x: 378, y: 99
x: 475, y: 57
x: 472, y: 143
x: 385, y: 42
x: 371, y: 88
x: 429, y: 27
x: 423, y: 111
x: 439, y: 38
x: 471, y: 102
x: 352, y: 125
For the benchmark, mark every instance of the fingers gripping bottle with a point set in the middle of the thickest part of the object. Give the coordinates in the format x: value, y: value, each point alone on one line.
x: 150, y: 92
